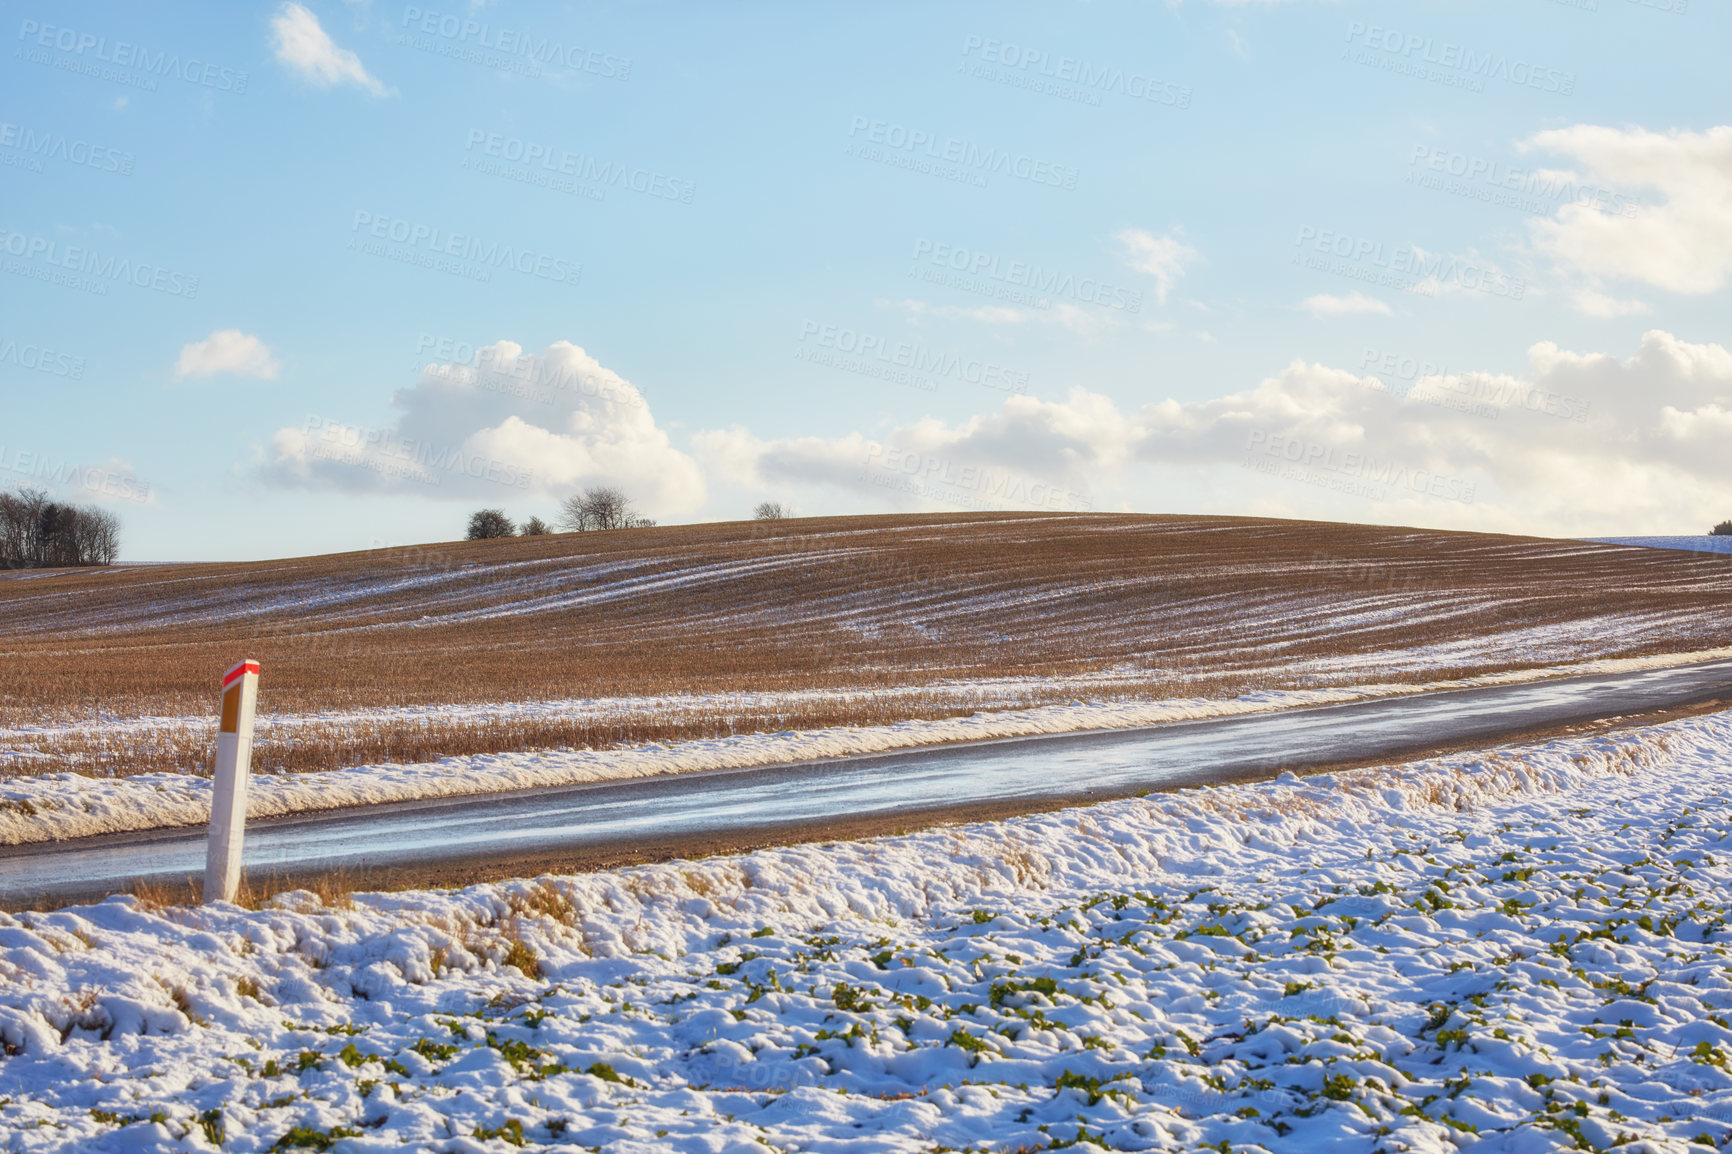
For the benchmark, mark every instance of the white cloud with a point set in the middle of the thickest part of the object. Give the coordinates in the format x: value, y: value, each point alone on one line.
x: 545, y: 424
x: 1354, y: 303
x: 735, y: 454
x: 1578, y: 444
x: 1030, y: 454
x: 310, y: 52
x: 226, y: 351
x: 1598, y: 304
x: 1683, y: 244
x: 1162, y: 257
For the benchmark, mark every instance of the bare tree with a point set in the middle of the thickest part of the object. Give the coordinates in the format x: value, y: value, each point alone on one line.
x: 14, y: 530
x: 600, y: 507
x: 57, y: 535
x: 487, y: 524
x: 770, y: 511
x: 97, y: 537
x: 572, y: 516
x: 37, y: 532
x: 606, y: 507
x: 534, y: 527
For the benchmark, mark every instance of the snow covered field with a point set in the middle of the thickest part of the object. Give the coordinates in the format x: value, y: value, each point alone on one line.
x: 1523, y: 950
x: 1193, y: 606
x: 62, y: 805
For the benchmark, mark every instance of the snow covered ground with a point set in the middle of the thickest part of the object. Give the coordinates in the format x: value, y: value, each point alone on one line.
x: 1523, y: 950
x: 1703, y: 544
x: 48, y: 807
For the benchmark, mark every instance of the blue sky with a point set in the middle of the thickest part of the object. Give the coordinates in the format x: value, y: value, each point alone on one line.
x: 296, y: 278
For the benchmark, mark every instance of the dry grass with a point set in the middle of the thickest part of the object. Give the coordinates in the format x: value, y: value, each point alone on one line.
x: 334, y: 890
x: 1168, y: 605
x: 297, y: 744
x: 519, y: 954
x: 154, y: 895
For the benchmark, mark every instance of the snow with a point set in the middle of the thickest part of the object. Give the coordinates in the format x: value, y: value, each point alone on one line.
x: 49, y: 807
x: 1703, y: 544
x: 878, y: 587
x: 1505, y: 950
x: 445, y: 593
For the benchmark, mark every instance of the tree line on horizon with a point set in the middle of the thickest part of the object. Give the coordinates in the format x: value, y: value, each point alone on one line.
x: 596, y: 508
x: 607, y: 507
x: 39, y: 533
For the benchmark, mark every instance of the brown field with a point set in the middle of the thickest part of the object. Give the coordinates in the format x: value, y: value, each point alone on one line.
x: 861, y: 608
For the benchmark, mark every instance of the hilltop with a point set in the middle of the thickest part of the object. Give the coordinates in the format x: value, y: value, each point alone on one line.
x: 703, y: 630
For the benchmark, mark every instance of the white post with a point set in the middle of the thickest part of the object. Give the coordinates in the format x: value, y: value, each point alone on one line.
x: 228, y: 805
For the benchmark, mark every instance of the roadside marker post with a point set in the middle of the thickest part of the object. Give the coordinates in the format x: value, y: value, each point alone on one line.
x: 228, y: 805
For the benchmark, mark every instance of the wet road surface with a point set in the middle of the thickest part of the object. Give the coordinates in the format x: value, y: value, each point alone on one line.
x: 1005, y: 775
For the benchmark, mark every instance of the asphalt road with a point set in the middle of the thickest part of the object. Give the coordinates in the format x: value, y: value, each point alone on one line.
x: 690, y: 814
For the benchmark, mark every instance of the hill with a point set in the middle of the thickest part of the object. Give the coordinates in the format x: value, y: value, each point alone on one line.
x: 708, y: 629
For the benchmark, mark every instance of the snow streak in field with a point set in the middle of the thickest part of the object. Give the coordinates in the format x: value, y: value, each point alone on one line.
x: 1518, y: 951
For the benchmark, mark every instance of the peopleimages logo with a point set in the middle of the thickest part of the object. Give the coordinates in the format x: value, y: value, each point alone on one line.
x: 41, y: 360
x: 87, y: 268
x: 385, y: 452
x: 1406, y: 267
x: 557, y: 161
x: 940, y: 478
x: 971, y: 159
x: 516, y: 43
x: 92, y: 479
x: 874, y: 355
x: 438, y: 242
x: 1360, y: 474
x: 1087, y: 78
x: 1536, y: 190
x: 1040, y: 284
x: 41, y: 146
x: 1399, y: 365
x: 1422, y: 51
x: 86, y: 47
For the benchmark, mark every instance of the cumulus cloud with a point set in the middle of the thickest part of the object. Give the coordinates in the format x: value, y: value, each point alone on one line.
x: 1683, y: 244
x: 226, y: 351
x: 1031, y: 454
x: 1354, y: 303
x: 505, y: 420
x: 1579, y: 443
x: 308, y: 51
x: 1163, y: 257
x: 1597, y: 304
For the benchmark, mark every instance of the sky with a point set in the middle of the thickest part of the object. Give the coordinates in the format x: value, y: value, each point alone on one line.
x: 296, y: 278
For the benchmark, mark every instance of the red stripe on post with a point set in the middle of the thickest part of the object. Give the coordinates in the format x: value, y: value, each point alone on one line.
x: 239, y: 671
